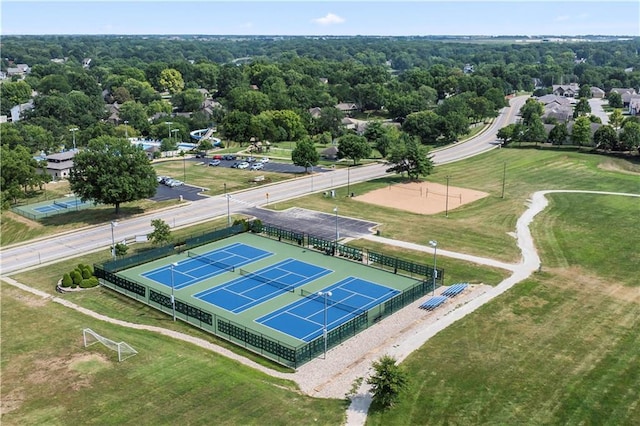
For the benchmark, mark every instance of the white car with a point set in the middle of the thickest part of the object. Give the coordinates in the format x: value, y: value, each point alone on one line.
x: 243, y: 165
x: 264, y: 160
x: 257, y: 166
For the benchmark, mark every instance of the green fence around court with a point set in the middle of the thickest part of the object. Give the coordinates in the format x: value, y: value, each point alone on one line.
x: 243, y: 335
x: 150, y: 255
x: 29, y: 210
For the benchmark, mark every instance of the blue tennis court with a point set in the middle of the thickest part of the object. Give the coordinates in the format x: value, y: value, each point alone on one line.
x: 49, y: 208
x: 206, y: 265
x: 56, y: 206
x: 349, y: 298
x: 254, y: 288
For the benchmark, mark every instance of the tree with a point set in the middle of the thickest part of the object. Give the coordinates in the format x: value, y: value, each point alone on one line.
x: 581, y: 108
x: 408, y: 155
x: 112, y: 171
x: 605, y: 138
x: 387, y: 382
x: 581, y: 132
x: 171, y: 80
x: 615, y: 100
x: 616, y: 118
x: 630, y: 136
x: 354, y: 147
x: 305, y: 154
x: 161, y: 233
x: 534, y: 132
x: 530, y: 108
x: 558, y: 135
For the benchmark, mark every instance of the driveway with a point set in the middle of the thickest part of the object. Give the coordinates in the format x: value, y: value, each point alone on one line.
x: 188, y: 192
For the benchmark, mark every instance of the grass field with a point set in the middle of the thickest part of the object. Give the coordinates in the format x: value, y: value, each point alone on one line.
x: 560, y: 348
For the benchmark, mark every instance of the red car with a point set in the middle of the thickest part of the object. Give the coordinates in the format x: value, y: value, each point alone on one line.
x: 217, y: 157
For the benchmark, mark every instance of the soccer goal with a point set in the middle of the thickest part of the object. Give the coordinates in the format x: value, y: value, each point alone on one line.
x: 124, y: 350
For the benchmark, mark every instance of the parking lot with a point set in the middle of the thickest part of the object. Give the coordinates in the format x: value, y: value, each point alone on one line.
x: 271, y: 166
x: 188, y: 192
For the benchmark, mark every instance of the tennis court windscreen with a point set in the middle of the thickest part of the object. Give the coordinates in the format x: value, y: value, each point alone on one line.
x: 269, y: 281
x: 59, y: 204
x: 331, y: 302
x: 215, y: 263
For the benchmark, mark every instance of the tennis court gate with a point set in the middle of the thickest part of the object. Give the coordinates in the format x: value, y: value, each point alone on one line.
x: 240, y: 334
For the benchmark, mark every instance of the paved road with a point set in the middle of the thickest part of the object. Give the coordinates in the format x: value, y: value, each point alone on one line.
x: 18, y: 257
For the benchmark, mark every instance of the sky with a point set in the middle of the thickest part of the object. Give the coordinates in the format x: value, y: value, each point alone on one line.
x: 315, y: 18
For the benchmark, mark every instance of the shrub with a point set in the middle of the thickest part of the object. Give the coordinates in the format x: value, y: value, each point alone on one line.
x: 66, y: 281
x: 76, y: 276
x: 89, y: 282
x: 86, y: 273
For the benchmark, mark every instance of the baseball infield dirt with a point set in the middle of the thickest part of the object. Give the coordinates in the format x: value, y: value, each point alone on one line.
x: 422, y: 197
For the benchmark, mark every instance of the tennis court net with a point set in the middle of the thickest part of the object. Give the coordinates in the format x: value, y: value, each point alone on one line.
x: 59, y: 204
x: 272, y: 282
x: 209, y: 261
x: 331, y: 302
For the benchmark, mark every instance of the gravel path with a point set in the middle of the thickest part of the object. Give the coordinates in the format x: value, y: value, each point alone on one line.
x: 397, y: 335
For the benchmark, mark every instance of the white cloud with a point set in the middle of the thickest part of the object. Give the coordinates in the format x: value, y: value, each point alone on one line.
x: 329, y: 19
x: 246, y: 25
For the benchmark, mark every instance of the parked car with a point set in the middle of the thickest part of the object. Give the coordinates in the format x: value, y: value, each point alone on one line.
x: 257, y: 166
x: 235, y: 165
x: 229, y: 157
x: 250, y: 159
x: 264, y: 160
x: 201, y: 154
x: 161, y: 179
x: 243, y: 165
x: 214, y: 162
x: 175, y: 182
x: 167, y: 181
x: 217, y: 157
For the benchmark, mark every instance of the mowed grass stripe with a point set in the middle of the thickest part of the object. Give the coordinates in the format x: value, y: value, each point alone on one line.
x: 169, y: 381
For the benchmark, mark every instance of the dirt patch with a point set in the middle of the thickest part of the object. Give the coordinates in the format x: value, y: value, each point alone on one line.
x: 12, y: 401
x: 593, y: 284
x: 612, y: 166
x: 65, y: 370
x: 31, y: 224
x: 422, y: 197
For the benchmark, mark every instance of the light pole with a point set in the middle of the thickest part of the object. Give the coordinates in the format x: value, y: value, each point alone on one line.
x: 228, y: 211
x: 173, y: 299
x: 324, y: 328
x: 434, y: 244
x: 169, y: 123
x: 126, y: 129
x: 113, y: 240
x: 446, y: 209
x: 73, y: 131
x: 335, y: 209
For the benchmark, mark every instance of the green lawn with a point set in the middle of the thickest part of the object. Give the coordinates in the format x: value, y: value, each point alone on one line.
x: 560, y: 348
x: 49, y: 378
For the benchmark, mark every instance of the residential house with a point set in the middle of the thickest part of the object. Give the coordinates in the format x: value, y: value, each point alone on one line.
x: 209, y: 105
x: 597, y: 93
x: 86, y: 63
x: 315, y: 112
x: 468, y: 69
x: 566, y: 90
x: 59, y: 165
x: 554, y: 100
x: 634, y: 105
x: 19, y: 70
x: 114, y: 112
x: 625, y: 93
x: 562, y: 113
x: 324, y: 80
x: 347, y: 108
x: 17, y: 112
x: 3, y: 75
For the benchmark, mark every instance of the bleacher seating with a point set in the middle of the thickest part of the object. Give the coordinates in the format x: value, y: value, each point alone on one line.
x: 455, y: 289
x: 433, y: 303
x: 436, y: 301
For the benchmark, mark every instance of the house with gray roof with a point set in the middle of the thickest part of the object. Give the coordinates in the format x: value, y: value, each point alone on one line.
x: 566, y: 90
